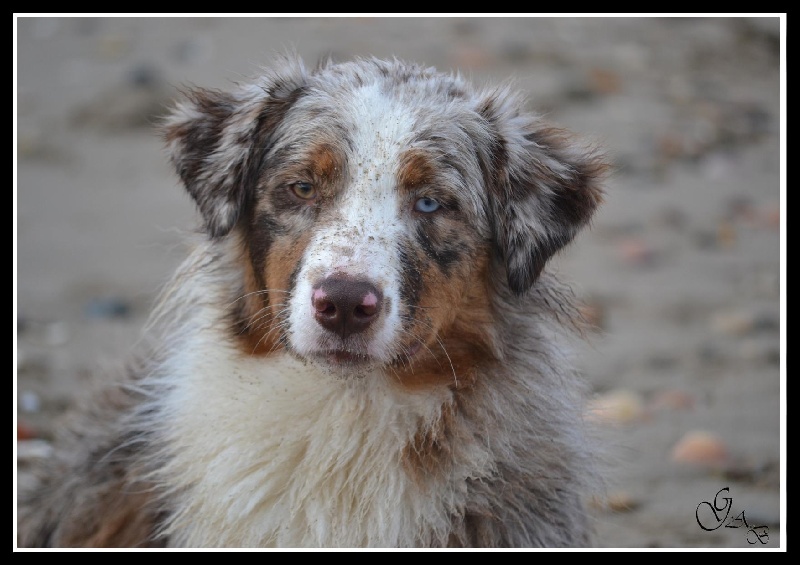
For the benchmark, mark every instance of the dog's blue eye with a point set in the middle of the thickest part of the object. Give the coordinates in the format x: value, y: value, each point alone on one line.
x: 304, y: 190
x: 426, y: 205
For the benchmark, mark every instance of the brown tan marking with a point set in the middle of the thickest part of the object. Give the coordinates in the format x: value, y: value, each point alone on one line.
x: 456, y: 310
x: 258, y: 318
x: 124, y: 524
x: 326, y: 165
x: 251, y: 311
x: 320, y: 165
x: 415, y: 170
x: 429, y: 453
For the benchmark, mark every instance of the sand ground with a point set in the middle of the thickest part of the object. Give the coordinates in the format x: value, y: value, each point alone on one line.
x: 680, y: 270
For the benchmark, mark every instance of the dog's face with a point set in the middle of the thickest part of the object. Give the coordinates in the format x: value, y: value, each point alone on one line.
x: 376, y: 204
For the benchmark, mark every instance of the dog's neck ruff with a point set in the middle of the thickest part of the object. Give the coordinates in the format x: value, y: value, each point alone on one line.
x: 279, y: 452
x: 303, y: 459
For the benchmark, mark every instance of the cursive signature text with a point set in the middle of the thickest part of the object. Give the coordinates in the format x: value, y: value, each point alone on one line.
x: 712, y: 515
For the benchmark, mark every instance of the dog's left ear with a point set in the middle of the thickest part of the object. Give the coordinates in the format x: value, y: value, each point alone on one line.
x: 544, y: 187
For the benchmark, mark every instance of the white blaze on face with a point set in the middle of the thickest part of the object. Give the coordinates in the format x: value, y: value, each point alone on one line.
x: 361, y: 241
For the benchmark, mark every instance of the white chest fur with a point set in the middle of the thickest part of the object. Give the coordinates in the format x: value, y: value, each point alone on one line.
x: 275, y: 452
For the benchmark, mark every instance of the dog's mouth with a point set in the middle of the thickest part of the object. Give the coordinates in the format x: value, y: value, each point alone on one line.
x: 345, y: 358
x: 342, y: 358
x: 405, y: 357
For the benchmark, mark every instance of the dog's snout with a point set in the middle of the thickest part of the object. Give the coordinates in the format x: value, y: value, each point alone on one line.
x: 345, y: 306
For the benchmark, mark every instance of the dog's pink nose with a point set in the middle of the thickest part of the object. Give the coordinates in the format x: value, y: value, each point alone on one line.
x: 345, y: 306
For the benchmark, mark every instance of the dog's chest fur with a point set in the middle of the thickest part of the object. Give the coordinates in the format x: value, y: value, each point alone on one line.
x: 275, y: 453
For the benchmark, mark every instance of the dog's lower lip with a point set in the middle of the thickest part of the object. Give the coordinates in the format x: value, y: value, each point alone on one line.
x: 345, y: 357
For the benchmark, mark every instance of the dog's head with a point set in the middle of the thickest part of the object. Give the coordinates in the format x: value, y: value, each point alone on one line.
x: 377, y: 203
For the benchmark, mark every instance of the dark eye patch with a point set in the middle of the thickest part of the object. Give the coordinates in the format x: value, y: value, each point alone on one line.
x: 262, y: 231
x: 442, y: 250
x: 412, y: 282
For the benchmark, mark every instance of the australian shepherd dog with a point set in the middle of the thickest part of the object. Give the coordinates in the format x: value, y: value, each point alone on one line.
x: 363, y: 347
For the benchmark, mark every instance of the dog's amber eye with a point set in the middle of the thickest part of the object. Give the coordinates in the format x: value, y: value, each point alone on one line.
x: 304, y: 190
x: 426, y: 205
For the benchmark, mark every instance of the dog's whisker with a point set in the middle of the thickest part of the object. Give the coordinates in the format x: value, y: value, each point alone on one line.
x: 441, y: 345
x: 424, y: 344
x: 267, y: 311
x: 258, y: 292
x: 267, y: 315
x: 452, y: 368
x: 278, y: 324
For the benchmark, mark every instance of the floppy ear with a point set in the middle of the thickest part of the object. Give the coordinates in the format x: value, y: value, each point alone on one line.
x: 216, y: 141
x: 544, y: 187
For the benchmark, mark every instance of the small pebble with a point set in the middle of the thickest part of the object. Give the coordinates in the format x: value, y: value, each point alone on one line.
x: 33, y: 449
x: 605, y: 81
x: 24, y: 432
x: 672, y: 400
x: 636, y: 252
x: 700, y: 447
x: 471, y: 58
x: 771, y: 217
x: 621, y: 501
x: 732, y: 323
x: 107, y: 308
x: 616, y: 407
x: 29, y: 401
x: 739, y: 323
x: 670, y: 146
x: 144, y: 76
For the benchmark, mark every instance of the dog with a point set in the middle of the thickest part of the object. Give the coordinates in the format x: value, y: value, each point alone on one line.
x: 363, y: 348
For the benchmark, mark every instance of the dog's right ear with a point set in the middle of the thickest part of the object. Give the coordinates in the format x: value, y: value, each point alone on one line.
x: 216, y: 141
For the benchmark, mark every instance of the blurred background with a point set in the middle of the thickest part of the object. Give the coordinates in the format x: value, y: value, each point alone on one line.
x: 680, y: 271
